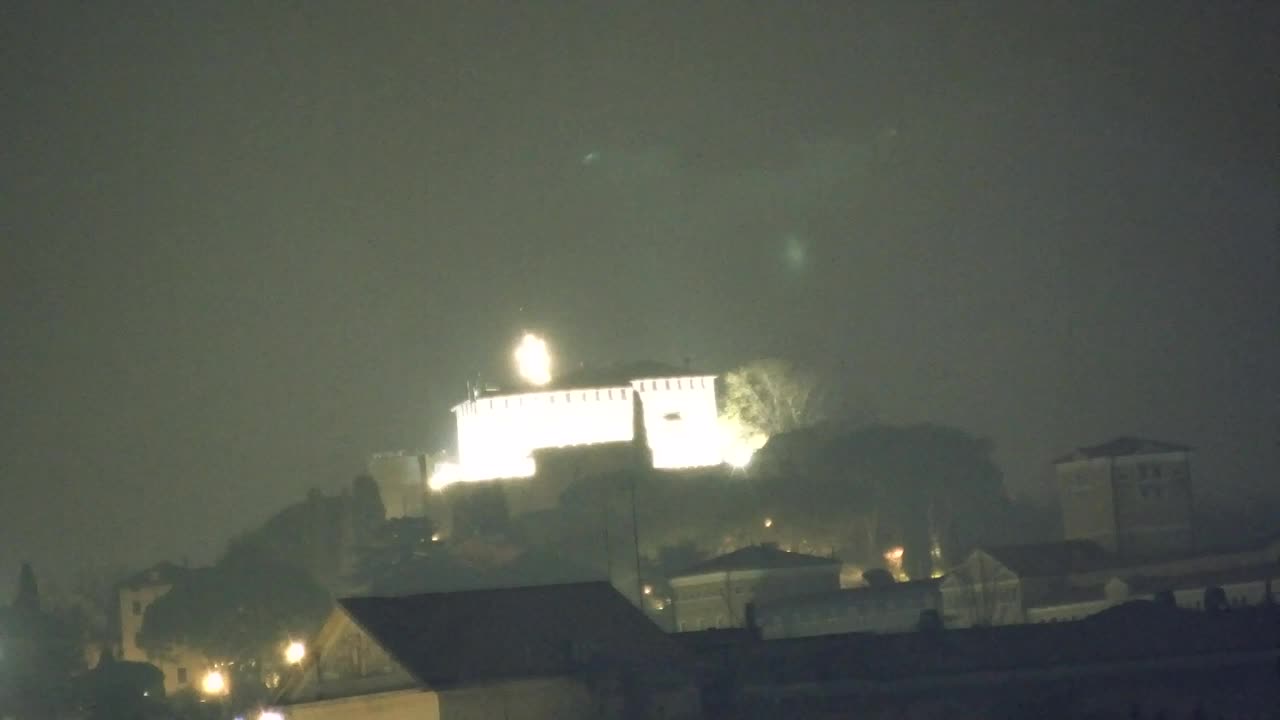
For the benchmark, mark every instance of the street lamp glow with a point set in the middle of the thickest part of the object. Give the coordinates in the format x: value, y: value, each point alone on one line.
x: 214, y: 683
x: 533, y: 360
x: 270, y: 715
x: 294, y: 652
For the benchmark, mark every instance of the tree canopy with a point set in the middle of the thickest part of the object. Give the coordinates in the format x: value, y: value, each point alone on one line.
x: 242, y: 608
x: 392, y: 549
x: 768, y: 397
x: 41, y: 652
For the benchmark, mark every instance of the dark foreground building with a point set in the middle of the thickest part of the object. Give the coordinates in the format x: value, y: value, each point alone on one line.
x: 555, y: 652
x: 1139, y: 660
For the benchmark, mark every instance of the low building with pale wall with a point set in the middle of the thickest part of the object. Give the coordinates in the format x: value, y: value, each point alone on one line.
x: 555, y: 652
x: 183, y: 668
x: 996, y: 585
x: 891, y: 608
x: 720, y: 592
x: 1071, y: 580
x: 1127, y: 521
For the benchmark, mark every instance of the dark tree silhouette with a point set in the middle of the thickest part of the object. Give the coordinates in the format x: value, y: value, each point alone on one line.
x: 923, y: 486
x: 877, y: 578
x: 244, y: 608
x: 41, y: 655
x: 27, y: 599
x: 1215, y: 600
x: 392, y: 548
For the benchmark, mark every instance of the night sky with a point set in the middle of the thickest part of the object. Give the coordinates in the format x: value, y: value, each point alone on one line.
x: 245, y: 244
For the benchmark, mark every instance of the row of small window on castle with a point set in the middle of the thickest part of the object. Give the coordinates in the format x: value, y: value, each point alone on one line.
x: 538, y: 398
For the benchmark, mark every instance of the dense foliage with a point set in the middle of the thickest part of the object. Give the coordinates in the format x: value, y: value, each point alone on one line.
x: 242, y: 608
x: 40, y: 653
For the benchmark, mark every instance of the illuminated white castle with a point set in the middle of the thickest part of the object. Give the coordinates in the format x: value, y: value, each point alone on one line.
x: 498, y: 432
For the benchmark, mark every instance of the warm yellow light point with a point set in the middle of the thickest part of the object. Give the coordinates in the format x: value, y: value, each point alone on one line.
x: 294, y: 652
x: 533, y: 360
x: 213, y: 683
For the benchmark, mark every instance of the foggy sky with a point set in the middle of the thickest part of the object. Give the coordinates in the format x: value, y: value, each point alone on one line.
x: 245, y: 244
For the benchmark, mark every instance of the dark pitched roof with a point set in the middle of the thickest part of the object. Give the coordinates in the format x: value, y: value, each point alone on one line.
x: 757, y: 557
x: 1121, y: 447
x: 1136, y: 631
x: 460, y: 638
x: 1050, y: 559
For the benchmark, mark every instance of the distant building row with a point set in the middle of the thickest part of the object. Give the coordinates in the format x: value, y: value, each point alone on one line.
x: 1127, y: 519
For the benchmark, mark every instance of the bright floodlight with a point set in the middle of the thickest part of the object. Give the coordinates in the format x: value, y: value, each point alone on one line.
x: 739, y: 455
x: 533, y: 360
x: 271, y: 715
x: 294, y: 652
x: 214, y: 683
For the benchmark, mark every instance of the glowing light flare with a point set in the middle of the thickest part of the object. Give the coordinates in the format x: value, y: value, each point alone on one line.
x: 795, y: 252
x: 533, y: 360
x: 214, y: 682
x: 444, y: 474
x: 768, y: 522
x: 294, y: 652
x: 270, y: 715
x: 893, y: 563
x: 738, y: 444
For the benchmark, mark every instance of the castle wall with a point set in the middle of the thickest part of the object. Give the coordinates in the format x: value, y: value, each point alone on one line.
x: 681, y: 422
x: 498, y: 435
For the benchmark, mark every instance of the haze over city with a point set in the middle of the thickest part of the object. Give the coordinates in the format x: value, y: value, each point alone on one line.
x: 247, y: 245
